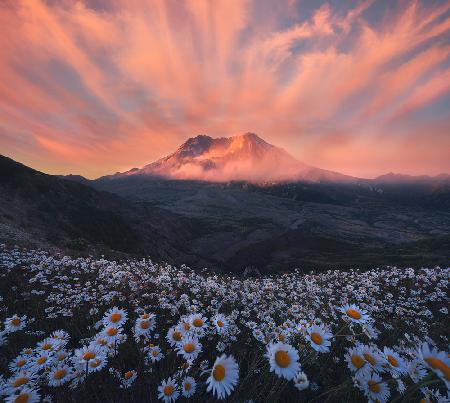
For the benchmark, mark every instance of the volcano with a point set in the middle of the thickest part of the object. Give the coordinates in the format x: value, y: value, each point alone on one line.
x: 245, y: 157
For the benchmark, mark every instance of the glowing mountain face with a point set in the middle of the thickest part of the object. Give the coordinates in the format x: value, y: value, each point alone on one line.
x: 244, y: 157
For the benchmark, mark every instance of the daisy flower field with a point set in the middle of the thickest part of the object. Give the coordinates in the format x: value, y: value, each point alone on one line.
x: 91, y: 329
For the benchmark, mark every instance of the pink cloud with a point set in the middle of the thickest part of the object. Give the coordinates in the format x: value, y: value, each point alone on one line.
x: 101, y: 89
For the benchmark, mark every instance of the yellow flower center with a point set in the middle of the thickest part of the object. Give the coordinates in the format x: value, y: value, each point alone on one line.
x: 60, y: 373
x: 282, y: 359
x: 219, y: 372
x: 176, y: 336
x: 281, y: 337
x: 115, y: 317
x: 15, y: 322
x: 112, y: 331
x: 392, y: 361
x: 145, y: 316
x: 369, y: 358
x: 145, y: 324
x: 155, y: 353
x: 357, y: 361
x: 187, y: 386
x: 20, y: 381
x: 88, y: 355
x: 186, y: 326
x: 354, y: 314
x: 62, y: 356
x: 219, y: 323
x: 168, y: 390
x: 95, y: 363
x: 41, y: 360
x: 197, y: 322
x: 374, y: 386
x: 21, y: 363
x: 46, y: 346
x: 102, y: 342
x: 22, y: 398
x: 128, y: 375
x: 436, y: 363
x: 317, y: 338
x: 189, y: 347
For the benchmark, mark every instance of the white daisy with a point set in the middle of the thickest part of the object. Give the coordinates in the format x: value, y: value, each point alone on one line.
x: 144, y: 326
x: 62, y: 356
x: 198, y: 323
x: 19, y: 363
x: 374, y: 387
x: 356, y: 361
x: 42, y: 360
x: 155, y: 354
x: 112, y: 334
x: 437, y: 361
x: 168, y: 391
x: 128, y: 379
x: 61, y: 335
x: 15, y: 323
x: 174, y: 335
x: 258, y: 334
x: 25, y: 395
x: 115, y: 317
x: 319, y: 338
x: 394, y: 363
x: 301, y: 381
x: 87, y: 354
x: 49, y: 344
x: 189, y: 348
x: 100, y: 341
x: 98, y: 363
x: 374, y: 357
x: 416, y: 370
x: 188, y: 386
x: 21, y: 379
x: 224, y: 376
x: 354, y: 313
x: 283, y: 359
x: 59, y: 375
x: 220, y: 323
x: 185, y: 325
x: 27, y: 352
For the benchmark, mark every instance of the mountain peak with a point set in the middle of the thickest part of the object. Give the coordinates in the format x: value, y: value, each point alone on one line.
x: 197, y: 139
x: 249, y: 136
x: 244, y: 156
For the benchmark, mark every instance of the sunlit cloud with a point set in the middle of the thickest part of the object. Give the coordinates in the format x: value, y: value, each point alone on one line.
x: 93, y: 87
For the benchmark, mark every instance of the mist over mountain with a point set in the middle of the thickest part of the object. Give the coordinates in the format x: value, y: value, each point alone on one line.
x: 244, y: 157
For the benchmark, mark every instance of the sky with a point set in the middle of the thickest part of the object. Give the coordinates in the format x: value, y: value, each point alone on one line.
x: 98, y: 86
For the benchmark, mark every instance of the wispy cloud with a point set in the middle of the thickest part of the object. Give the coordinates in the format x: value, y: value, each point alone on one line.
x: 97, y: 86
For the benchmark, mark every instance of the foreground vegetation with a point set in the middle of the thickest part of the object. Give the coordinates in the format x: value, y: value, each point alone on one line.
x: 90, y: 329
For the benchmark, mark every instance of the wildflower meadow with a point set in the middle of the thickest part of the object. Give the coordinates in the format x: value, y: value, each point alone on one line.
x: 97, y: 330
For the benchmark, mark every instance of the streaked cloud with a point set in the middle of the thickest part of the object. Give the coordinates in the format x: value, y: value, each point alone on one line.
x: 93, y: 87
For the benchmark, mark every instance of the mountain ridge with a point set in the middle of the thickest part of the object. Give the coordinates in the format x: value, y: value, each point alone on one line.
x: 40, y: 209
